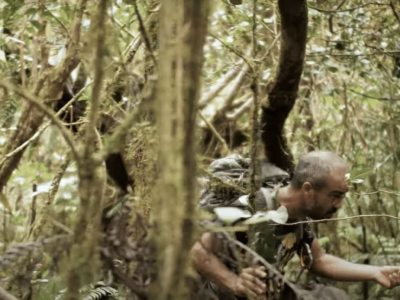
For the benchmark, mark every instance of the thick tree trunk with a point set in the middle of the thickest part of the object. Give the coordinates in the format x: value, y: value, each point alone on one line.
x: 182, y: 35
x: 282, y: 93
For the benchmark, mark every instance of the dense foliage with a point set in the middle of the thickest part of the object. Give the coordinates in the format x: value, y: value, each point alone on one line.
x: 348, y: 102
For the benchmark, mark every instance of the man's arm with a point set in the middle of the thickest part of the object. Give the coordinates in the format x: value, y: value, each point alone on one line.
x: 206, y: 263
x: 338, y: 269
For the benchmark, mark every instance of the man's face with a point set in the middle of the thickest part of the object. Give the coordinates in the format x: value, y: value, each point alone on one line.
x: 329, y: 199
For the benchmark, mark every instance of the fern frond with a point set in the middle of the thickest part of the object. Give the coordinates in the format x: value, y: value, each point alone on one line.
x: 98, y: 291
x: 102, y: 292
x: 8, y: 109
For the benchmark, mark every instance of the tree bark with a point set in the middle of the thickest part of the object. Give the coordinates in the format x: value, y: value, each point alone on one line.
x: 282, y: 93
x: 183, y: 25
x: 196, y: 16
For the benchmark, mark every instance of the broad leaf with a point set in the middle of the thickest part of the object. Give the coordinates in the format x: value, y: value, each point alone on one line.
x: 231, y: 214
x: 358, y: 173
x: 279, y: 216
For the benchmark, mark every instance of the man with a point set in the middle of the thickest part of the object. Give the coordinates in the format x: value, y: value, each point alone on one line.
x: 315, y: 191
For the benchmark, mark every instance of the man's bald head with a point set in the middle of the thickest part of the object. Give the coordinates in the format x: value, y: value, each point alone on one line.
x: 315, y: 167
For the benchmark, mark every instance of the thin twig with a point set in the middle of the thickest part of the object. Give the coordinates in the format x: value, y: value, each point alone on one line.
x: 233, y: 50
x: 123, y: 27
x: 340, y: 4
x: 270, y: 47
x: 394, y: 10
x: 142, y: 29
x: 225, y: 148
x: 254, y: 119
x: 40, y: 131
x: 64, y: 132
x: 379, y: 191
x: 59, y: 22
x: 376, y: 98
x: 340, y: 219
x: 75, y: 123
x: 61, y: 226
x: 135, y: 44
x: 345, y: 10
x: 37, y: 230
x: 352, y: 54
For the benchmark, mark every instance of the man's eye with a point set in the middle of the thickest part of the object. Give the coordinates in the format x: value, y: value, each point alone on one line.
x: 338, y: 195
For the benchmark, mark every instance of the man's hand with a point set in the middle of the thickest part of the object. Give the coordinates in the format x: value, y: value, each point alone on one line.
x: 388, y: 277
x: 249, y: 282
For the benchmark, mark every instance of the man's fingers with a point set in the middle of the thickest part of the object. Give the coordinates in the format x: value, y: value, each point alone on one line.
x: 261, y: 268
x: 394, y: 279
x: 259, y: 271
x: 255, y: 280
x: 248, y: 291
x: 253, y: 283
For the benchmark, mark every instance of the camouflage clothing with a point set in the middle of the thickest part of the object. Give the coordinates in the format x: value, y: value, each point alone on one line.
x: 276, y: 244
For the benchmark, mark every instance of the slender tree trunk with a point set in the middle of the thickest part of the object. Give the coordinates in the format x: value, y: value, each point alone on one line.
x: 196, y: 13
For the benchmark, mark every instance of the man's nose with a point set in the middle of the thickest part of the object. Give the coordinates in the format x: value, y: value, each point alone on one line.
x: 339, y: 204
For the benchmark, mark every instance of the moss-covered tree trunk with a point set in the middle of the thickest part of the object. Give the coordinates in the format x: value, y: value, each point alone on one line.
x: 282, y: 93
x: 46, y: 87
x: 182, y: 35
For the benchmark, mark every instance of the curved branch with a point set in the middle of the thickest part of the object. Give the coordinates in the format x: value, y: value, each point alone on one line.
x: 39, y: 132
x: 4, y: 295
x: 282, y: 93
x: 375, y: 98
x: 49, y: 113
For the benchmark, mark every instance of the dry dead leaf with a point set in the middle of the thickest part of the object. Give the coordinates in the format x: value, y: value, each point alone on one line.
x: 289, y: 240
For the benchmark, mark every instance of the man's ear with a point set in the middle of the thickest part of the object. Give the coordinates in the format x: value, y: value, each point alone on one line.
x: 307, y: 187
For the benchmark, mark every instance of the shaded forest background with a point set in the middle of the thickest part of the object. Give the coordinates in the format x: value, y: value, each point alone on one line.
x: 111, y: 110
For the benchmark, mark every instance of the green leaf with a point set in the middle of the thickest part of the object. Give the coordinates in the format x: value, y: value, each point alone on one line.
x: 47, y: 15
x: 31, y: 11
x: 15, y: 3
x: 333, y: 69
x: 359, y: 173
x: 5, y: 203
x: 37, y: 25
